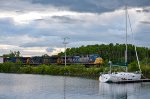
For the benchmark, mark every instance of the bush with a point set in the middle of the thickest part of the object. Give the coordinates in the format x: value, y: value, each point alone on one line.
x: 26, y: 69
x: 146, y: 70
x: 8, y: 67
x: 133, y: 67
x: 71, y: 70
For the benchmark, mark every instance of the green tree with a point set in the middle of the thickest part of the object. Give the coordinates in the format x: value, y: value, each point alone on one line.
x: 12, y: 54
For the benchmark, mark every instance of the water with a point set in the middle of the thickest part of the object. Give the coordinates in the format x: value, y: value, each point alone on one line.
x: 23, y: 86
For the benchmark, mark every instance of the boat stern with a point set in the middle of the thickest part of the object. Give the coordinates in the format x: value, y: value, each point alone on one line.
x: 105, y: 78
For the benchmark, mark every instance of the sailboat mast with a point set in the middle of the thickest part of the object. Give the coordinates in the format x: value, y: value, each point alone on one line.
x: 137, y: 58
x: 126, y: 51
x: 126, y: 36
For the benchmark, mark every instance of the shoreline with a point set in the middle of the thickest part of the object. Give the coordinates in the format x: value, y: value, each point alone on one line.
x: 59, y: 70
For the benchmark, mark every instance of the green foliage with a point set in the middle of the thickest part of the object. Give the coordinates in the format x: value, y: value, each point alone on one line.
x: 146, y: 70
x: 71, y: 70
x: 12, y: 54
x: 145, y: 67
x: 9, y: 67
x: 19, y: 63
x: 113, y: 52
x: 26, y: 69
x: 133, y: 66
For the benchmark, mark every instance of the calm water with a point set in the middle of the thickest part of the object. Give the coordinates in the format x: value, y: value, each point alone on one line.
x: 22, y: 86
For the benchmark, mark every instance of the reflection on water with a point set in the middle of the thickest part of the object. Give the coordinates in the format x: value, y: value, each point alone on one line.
x: 22, y: 86
x: 124, y: 91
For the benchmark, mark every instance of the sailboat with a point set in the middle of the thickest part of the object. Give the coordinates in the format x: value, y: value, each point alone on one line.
x: 122, y: 76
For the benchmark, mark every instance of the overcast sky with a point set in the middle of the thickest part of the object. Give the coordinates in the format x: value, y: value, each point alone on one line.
x: 37, y: 27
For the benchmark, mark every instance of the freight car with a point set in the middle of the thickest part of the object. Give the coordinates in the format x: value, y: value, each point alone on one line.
x: 93, y: 59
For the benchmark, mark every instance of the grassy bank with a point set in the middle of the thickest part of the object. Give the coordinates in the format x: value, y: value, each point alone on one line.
x: 71, y: 70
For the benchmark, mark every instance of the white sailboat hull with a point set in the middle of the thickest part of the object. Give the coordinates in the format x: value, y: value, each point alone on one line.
x: 119, y: 77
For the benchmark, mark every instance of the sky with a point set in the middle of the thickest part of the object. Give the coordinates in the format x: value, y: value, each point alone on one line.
x: 38, y: 27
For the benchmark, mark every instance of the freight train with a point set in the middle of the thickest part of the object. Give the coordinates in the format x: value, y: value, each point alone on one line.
x: 92, y: 59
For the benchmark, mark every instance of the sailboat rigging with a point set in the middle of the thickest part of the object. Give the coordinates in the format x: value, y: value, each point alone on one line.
x: 122, y: 76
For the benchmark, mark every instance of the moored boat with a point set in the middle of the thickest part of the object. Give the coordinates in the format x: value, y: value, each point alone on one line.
x: 122, y: 76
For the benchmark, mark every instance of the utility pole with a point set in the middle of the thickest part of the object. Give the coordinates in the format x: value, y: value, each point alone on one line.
x: 65, y: 44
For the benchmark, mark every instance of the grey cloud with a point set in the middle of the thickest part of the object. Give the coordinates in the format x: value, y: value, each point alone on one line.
x: 66, y: 19
x: 142, y: 35
x: 145, y: 10
x: 93, y: 6
x: 48, y: 41
x: 79, y: 32
x: 8, y: 28
x: 35, y: 44
x: 145, y: 22
x: 59, y: 19
x: 50, y: 49
x: 5, y: 23
x: 96, y: 6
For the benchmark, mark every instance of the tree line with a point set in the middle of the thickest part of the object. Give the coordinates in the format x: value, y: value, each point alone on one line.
x: 113, y: 52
